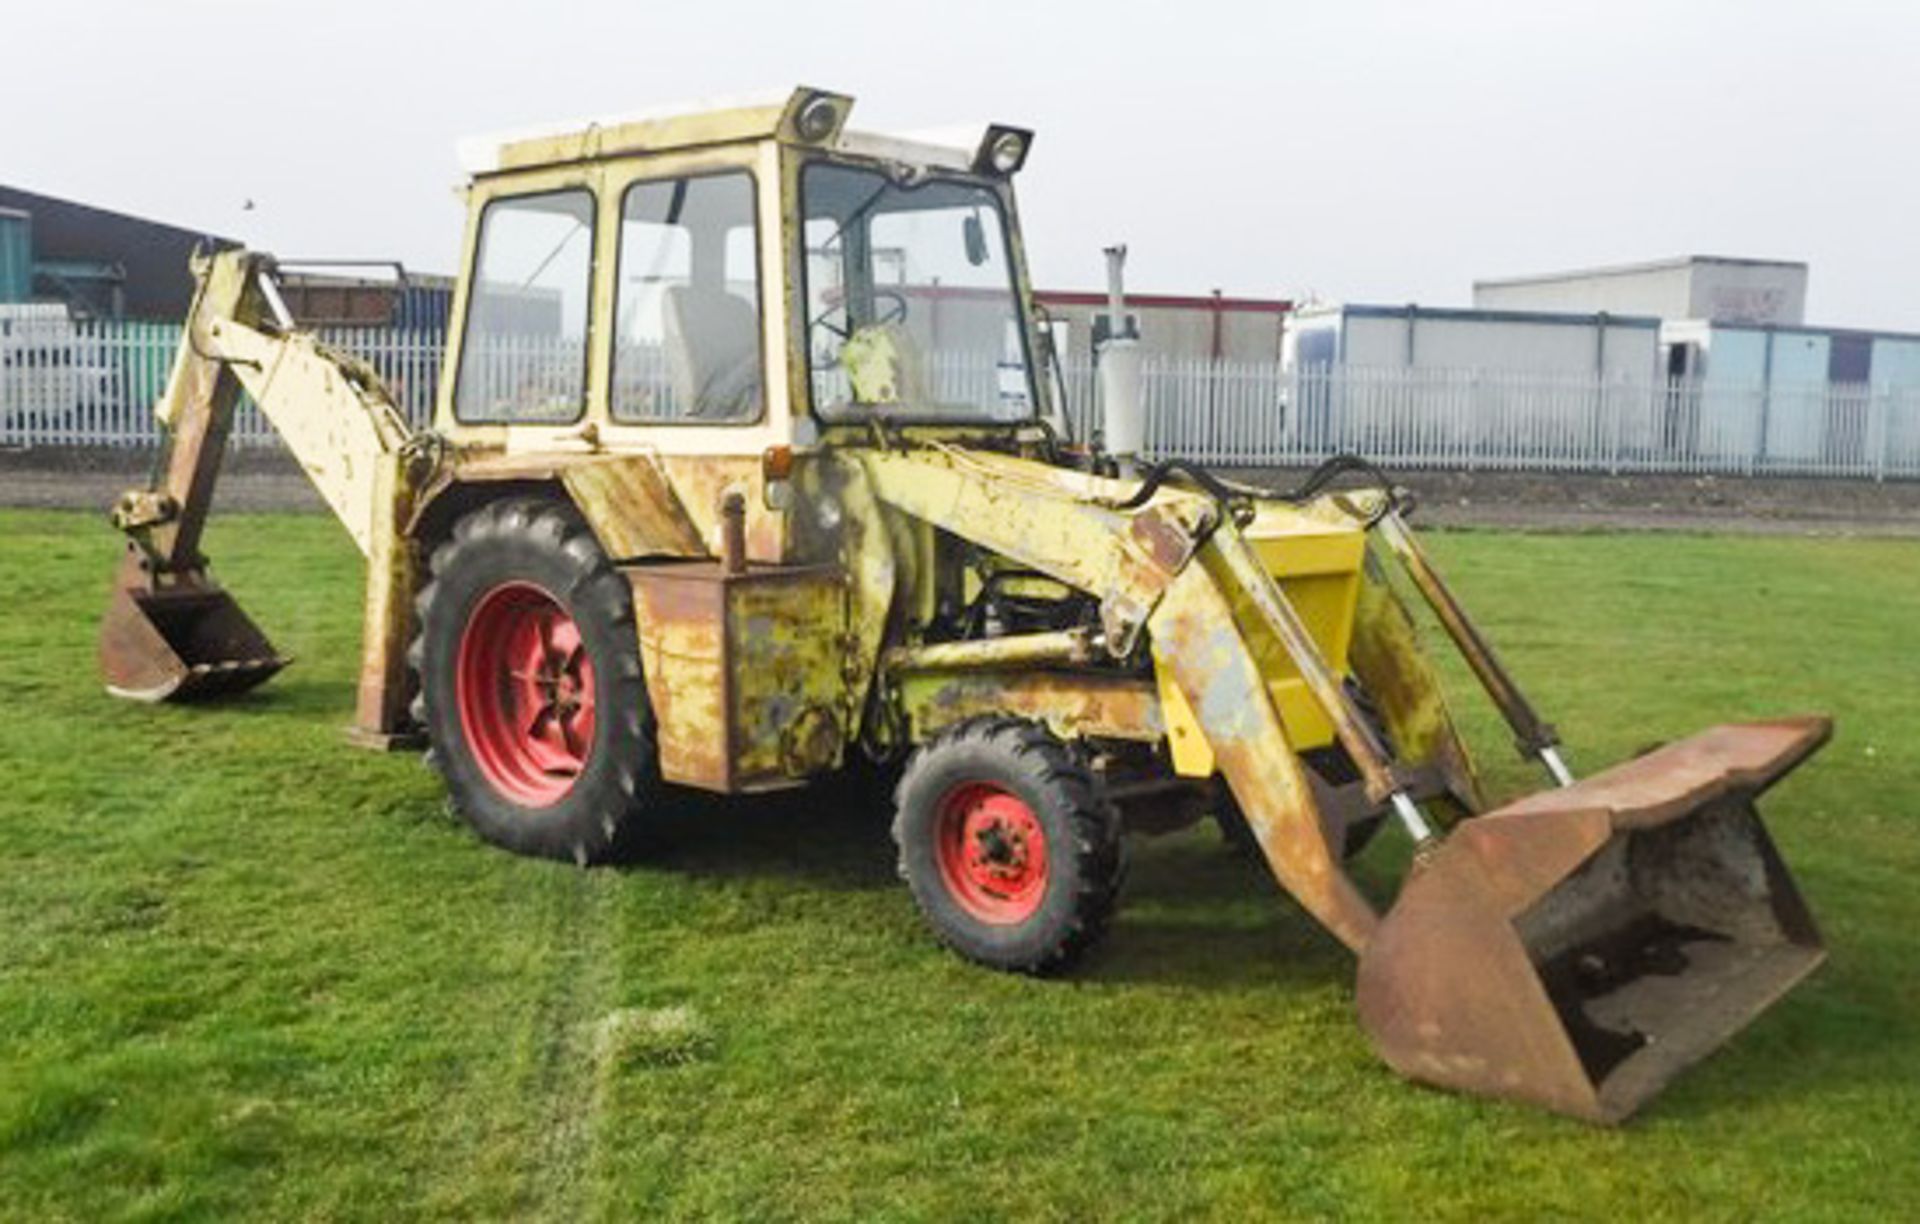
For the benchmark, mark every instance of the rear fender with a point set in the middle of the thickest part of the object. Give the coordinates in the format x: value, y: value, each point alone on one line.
x: 629, y: 505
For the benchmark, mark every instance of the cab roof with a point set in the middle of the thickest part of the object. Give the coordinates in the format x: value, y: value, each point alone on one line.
x: 801, y: 116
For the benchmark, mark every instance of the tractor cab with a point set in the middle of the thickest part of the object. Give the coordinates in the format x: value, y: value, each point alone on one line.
x: 735, y: 281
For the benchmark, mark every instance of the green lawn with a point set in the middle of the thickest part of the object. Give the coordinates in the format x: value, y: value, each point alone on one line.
x: 247, y: 970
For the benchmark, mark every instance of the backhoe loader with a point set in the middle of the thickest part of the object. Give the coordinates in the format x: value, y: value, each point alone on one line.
x: 744, y: 472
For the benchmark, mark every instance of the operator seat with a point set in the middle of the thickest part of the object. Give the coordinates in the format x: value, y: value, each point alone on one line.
x: 713, y: 353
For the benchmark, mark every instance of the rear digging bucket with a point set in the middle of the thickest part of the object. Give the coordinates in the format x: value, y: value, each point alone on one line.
x: 1579, y: 948
x: 181, y: 643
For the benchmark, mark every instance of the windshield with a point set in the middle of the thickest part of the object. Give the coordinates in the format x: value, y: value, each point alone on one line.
x: 911, y: 308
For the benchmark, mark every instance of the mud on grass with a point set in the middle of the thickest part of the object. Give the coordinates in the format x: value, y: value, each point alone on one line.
x: 245, y: 969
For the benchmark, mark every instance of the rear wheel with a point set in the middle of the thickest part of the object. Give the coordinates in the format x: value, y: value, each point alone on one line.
x: 530, y: 685
x: 1012, y: 856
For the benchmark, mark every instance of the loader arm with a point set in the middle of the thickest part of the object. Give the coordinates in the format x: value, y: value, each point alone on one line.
x: 171, y: 631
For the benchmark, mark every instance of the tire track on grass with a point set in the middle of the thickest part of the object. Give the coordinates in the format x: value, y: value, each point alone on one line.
x: 561, y: 1094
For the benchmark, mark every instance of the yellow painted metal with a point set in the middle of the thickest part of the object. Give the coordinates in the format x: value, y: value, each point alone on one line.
x: 632, y: 507
x: 1389, y: 658
x: 331, y: 411
x: 743, y: 671
x: 1072, y: 705
x: 758, y: 120
x: 341, y: 426
x: 1187, y: 745
x: 1207, y: 651
x: 1059, y: 647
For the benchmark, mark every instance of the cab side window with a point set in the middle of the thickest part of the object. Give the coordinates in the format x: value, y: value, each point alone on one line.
x: 687, y: 312
x: 524, y: 356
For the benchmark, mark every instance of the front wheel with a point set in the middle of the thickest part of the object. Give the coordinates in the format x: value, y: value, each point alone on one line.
x: 1013, y: 857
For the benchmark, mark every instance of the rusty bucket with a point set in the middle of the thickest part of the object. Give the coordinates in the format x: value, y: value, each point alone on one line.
x: 180, y: 641
x: 1579, y: 948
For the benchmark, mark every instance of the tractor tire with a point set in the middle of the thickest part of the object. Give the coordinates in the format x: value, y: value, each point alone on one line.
x: 530, y: 685
x: 1013, y: 857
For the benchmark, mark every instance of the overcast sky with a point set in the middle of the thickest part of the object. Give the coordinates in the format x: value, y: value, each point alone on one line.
x: 1352, y: 149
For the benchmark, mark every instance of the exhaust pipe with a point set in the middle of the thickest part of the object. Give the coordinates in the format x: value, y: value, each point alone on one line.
x: 1123, y: 429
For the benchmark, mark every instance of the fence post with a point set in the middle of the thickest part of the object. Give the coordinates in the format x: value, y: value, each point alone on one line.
x: 1880, y: 412
x: 1619, y: 415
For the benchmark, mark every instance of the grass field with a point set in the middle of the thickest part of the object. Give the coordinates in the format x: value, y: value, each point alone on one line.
x: 246, y: 970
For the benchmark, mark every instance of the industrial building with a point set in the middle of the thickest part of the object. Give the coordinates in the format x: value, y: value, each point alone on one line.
x: 1207, y: 327
x: 99, y: 264
x: 1725, y: 322
x: 94, y: 263
x: 1615, y: 347
x: 1759, y: 292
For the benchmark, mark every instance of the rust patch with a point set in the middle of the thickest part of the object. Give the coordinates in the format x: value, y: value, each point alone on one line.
x: 744, y: 671
x: 1168, y: 544
x: 1071, y: 704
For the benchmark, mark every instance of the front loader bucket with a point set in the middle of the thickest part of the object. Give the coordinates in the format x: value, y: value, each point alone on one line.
x: 1579, y: 948
x: 180, y: 643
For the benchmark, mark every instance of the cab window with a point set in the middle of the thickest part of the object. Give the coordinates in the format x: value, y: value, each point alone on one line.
x: 687, y: 314
x: 524, y: 356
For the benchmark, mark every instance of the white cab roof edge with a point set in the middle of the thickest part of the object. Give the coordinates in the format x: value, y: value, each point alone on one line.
x: 481, y: 154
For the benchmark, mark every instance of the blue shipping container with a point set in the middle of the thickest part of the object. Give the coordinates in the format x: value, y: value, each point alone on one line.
x: 16, y: 255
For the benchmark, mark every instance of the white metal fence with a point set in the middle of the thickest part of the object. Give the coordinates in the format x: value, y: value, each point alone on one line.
x: 1259, y: 415
x: 66, y: 383
x: 93, y: 384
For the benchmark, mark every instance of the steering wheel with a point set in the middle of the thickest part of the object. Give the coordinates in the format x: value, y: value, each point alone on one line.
x: 893, y: 310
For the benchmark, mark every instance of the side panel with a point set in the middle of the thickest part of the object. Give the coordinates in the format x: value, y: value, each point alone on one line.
x: 1071, y: 704
x: 632, y: 508
x: 785, y: 634
x: 681, y: 620
x: 744, y: 671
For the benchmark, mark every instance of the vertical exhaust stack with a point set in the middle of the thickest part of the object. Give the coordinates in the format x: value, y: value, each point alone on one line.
x: 1123, y: 429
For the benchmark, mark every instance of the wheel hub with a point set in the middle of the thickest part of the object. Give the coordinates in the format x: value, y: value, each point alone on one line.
x: 525, y: 689
x: 993, y: 853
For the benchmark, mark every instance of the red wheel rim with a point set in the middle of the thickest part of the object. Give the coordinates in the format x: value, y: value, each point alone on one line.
x: 524, y: 686
x: 992, y: 853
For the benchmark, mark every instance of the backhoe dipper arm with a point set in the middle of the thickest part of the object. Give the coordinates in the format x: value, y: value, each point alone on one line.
x: 165, y: 520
